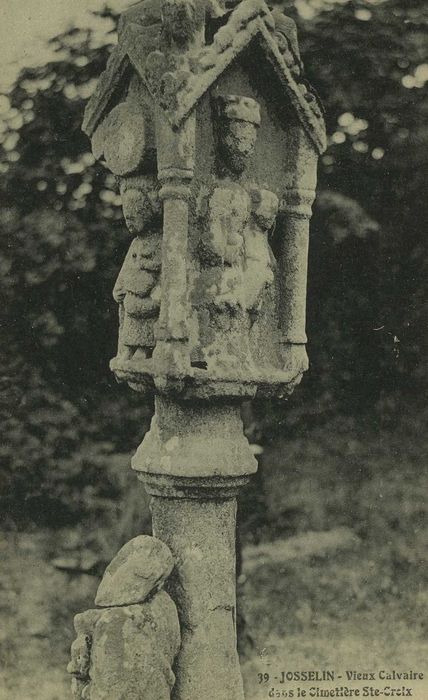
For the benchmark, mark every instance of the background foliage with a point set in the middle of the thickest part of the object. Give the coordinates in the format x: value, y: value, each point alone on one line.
x: 63, y: 238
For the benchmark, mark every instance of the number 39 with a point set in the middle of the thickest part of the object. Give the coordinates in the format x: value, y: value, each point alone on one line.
x: 263, y: 677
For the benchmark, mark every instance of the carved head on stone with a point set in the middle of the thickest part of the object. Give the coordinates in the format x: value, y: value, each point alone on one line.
x: 238, y: 120
x: 141, y: 205
x: 264, y: 208
x: 80, y: 657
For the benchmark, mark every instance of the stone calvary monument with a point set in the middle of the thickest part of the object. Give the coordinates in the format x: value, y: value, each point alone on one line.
x: 204, y: 116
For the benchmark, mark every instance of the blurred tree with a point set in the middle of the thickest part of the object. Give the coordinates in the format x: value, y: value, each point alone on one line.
x: 61, y: 245
x: 63, y: 239
x: 369, y: 60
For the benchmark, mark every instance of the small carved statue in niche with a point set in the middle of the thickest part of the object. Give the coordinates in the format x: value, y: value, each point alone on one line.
x: 236, y: 289
x: 260, y: 264
x: 261, y: 279
x: 238, y: 119
x: 219, y: 294
x: 137, y: 288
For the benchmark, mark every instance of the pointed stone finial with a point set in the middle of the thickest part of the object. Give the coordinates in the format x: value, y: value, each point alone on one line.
x: 178, y: 18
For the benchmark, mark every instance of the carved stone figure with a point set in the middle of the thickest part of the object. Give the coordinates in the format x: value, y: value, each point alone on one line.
x: 141, y: 205
x: 79, y: 665
x: 137, y: 288
x: 137, y: 291
x: 178, y: 20
x: 261, y: 280
x: 238, y: 120
x: 218, y: 293
x: 260, y: 264
x: 236, y: 290
x: 125, y: 650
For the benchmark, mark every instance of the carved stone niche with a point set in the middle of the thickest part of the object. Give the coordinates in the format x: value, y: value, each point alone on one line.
x: 204, y: 116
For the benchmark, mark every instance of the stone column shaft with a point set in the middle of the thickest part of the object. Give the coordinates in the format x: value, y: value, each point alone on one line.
x: 175, y: 172
x: 293, y: 264
x: 201, y: 536
x: 172, y: 320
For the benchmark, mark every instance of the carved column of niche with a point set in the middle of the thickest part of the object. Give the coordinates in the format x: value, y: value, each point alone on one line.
x: 175, y: 172
x: 293, y: 226
x: 296, y: 208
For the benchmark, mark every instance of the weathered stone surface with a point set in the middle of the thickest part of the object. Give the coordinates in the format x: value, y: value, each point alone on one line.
x: 202, y: 537
x: 239, y: 118
x: 123, y: 133
x: 194, y: 440
x: 178, y: 20
x: 141, y: 205
x: 137, y: 291
x: 80, y: 663
x: 126, y: 653
x: 133, y: 649
x: 140, y: 567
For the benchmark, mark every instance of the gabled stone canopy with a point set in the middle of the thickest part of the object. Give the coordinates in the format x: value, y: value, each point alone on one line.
x: 179, y: 69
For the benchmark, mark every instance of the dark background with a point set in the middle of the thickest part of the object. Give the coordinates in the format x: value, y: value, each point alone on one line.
x: 347, y: 451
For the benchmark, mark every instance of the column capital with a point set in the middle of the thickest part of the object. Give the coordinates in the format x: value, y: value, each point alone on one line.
x: 173, y: 186
x: 297, y: 202
x: 198, y: 444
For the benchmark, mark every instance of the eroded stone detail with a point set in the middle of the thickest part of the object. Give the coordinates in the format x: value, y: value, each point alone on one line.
x: 185, y: 70
x: 137, y: 289
x: 218, y: 294
x: 126, y: 649
x: 237, y: 121
x: 140, y: 568
x: 236, y: 284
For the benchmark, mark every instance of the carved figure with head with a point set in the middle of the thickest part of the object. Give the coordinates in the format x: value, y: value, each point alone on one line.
x: 141, y: 205
x: 238, y: 119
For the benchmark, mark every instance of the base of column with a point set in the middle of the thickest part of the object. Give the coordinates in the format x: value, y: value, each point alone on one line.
x: 199, y: 489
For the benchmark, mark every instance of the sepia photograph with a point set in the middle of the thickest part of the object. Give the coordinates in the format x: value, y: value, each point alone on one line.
x: 214, y: 343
